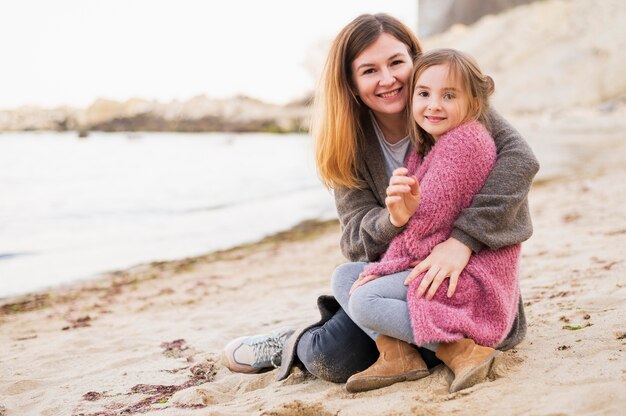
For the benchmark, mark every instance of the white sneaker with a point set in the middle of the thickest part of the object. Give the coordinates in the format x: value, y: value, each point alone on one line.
x: 252, y: 354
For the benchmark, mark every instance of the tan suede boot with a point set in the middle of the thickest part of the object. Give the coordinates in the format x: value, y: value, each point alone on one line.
x: 398, y: 361
x: 470, y: 363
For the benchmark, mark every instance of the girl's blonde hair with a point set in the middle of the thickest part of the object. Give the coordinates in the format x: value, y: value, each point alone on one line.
x: 463, y: 68
x: 336, y: 124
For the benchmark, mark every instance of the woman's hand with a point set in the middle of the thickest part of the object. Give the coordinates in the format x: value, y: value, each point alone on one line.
x: 403, y: 197
x: 361, y: 281
x: 448, y: 259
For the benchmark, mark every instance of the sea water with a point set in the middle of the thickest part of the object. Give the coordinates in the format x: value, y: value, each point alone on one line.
x: 73, y: 208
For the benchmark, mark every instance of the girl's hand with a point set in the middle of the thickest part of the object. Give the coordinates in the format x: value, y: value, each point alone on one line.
x: 403, y: 197
x: 448, y: 259
x: 361, y: 281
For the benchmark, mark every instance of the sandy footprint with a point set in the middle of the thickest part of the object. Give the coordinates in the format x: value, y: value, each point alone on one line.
x: 254, y: 382
x: 505, y: 363
x: 195, y: 397
x: 22, y: 386
x: 212, y: 393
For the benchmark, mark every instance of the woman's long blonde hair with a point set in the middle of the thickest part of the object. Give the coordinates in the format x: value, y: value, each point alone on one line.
x: 463, y: 68
x: 336, y: 123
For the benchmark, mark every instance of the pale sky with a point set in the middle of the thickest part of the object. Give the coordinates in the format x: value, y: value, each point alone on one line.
x: 73, y: 51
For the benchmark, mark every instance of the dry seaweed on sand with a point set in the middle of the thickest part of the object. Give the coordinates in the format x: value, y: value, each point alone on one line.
x: 158, y: 394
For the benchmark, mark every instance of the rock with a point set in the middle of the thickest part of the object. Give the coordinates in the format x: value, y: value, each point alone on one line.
x: 199, y: 114
x: 435, y: 16
x: 556, y: 46
x: 29, y: 118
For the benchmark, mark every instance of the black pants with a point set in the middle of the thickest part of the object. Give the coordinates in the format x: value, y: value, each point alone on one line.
x: 338, y: 349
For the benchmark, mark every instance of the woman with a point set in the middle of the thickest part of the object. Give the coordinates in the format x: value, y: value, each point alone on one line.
x: 361, y: 134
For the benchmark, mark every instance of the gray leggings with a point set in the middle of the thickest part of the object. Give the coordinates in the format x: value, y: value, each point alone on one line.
x: 377, y: 307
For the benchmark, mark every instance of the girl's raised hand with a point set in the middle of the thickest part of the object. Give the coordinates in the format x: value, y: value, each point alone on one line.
x: 403, y: 197
x: 447, y: 259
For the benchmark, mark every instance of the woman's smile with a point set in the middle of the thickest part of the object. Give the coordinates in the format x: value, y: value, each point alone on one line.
x: 390, y: 94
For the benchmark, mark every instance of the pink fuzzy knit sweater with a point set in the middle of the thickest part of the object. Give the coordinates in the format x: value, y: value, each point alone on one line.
x: 485, y: 301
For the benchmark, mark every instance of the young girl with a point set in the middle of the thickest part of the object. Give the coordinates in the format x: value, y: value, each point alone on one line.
x: 453, y: 156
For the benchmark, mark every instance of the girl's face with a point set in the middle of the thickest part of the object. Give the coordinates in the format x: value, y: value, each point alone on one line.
x: 440, y: 102
x: 380, y: 75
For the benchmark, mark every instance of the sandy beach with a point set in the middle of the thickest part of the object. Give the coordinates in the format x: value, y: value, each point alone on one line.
x: 147, y: 340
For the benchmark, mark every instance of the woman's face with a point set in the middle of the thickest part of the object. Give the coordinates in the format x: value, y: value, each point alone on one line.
x: 440, y: 102
x: 380, y: 75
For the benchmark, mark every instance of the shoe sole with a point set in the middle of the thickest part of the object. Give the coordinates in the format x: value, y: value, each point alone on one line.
x: 235, y: 368
x: 377, y: 382
x: 476, y: 375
